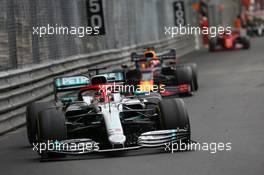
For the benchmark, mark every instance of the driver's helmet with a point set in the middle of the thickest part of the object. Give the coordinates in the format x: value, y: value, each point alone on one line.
x: 98, y: 96
x: 151, y: 56
x: 150, y: 53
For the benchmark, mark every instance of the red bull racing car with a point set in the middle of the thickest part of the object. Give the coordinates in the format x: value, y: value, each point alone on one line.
x: 162, y: 70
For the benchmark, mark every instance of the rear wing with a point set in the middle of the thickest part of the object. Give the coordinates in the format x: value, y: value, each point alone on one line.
x: 109, y: 77
x: 169, y: 55
x: 135, y: 57
x: 63, y: 84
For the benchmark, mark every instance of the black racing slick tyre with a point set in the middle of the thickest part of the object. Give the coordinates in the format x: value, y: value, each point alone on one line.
x: 51, y: 127
x: 245, y: 42
x: 174, y: 115
x: 32, y: 113
x: 212, y: 44
x: 183, y: 75
x: 194, y: 75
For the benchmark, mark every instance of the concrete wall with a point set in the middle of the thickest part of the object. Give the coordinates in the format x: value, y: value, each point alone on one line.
x: 127, y: 22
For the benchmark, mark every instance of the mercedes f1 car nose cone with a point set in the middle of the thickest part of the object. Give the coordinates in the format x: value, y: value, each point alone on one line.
x: 117, y: 139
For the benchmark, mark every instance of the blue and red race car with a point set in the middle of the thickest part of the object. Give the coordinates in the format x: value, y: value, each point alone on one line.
x: 162, y: 70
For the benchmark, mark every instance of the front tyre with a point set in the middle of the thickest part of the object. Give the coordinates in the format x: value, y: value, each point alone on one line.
x: 51, y: 127
x: 32, y: 113
x: 174, y: 115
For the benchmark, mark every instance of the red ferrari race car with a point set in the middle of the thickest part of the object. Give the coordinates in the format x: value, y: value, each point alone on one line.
x: 163, y: 71
x: 229, y: 41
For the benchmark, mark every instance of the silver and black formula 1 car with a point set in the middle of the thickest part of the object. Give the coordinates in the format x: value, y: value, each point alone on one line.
x: 100, y: 120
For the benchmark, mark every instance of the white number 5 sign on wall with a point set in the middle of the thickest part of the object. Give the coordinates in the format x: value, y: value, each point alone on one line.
x: 95, y: 15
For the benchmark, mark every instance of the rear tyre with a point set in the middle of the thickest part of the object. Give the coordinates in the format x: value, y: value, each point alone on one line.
x: 245, y: 42
x: 32, y: 112
x: 183, y: 75
x: 212, y: 45
x: 194, y: 75
x: 174, y: 115
x: 51, y: 126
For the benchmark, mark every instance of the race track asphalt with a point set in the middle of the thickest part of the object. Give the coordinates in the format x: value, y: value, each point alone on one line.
x: 229, y: 107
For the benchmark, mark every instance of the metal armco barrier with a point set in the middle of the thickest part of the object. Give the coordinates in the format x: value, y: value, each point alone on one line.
x: 20, y: 87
